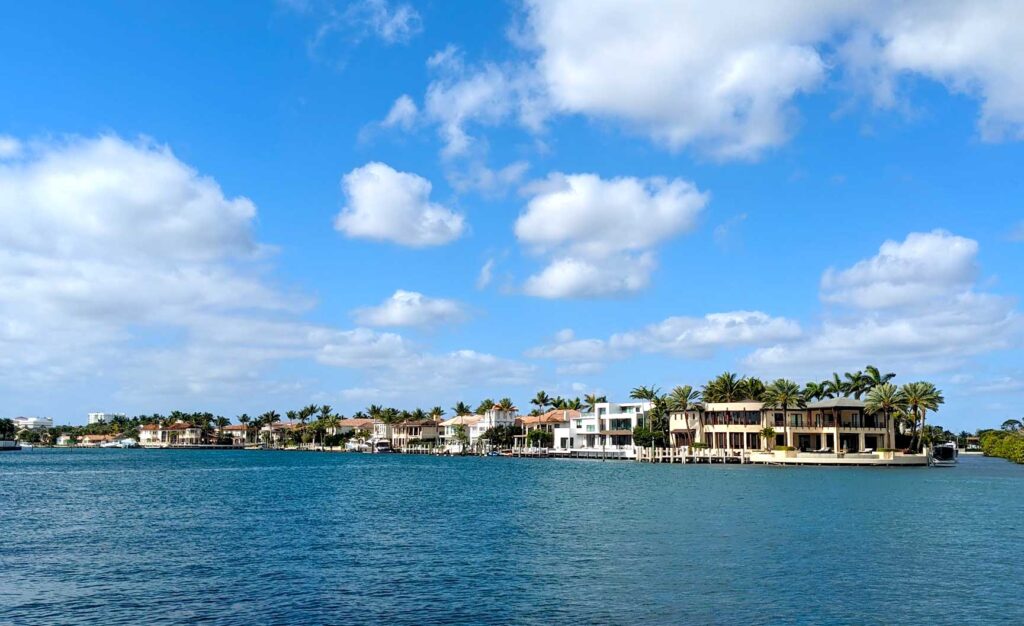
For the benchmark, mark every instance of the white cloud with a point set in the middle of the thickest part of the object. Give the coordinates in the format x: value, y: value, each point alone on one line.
x: 388, y: 205
x: 685, y: 73
x: 921, y: 267
x: 392, y: 23
x: 409, y: 308
x: 915, y: 303
x: 10, y: 147
x: 701, y: 336
x: 402, y: 115
x: 580, y: 277
x: 488, y: 94
x: 124, y: 269
x: 723, y: 78
x: 486, y: 274
x: 691, y: 337
x: 600, y: 231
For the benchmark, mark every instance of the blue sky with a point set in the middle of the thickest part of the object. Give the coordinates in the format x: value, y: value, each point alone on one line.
x: 238, y: 208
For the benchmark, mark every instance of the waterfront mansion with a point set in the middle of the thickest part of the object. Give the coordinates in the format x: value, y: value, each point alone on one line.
x: 608, y: 429
x: 829, y: 425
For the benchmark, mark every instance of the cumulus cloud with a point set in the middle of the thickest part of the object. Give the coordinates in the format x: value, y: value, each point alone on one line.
x: 409, y: 308
x: 724, y: 79
x: 921, y: 267
x: 388, y: 205
x: 580, y: 277
x: 402, y: 115
x: 691, y: 337
x: 917, y: 302
x: 121, y: 263
x: 600, y: 232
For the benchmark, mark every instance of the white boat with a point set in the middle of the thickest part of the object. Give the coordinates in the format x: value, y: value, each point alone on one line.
x: 943, y: 455
x: 26, y: 446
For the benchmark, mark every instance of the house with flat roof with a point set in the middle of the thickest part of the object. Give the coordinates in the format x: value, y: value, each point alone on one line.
x: 607, y: 430
x: 835, y: 424
x: 546, y: 422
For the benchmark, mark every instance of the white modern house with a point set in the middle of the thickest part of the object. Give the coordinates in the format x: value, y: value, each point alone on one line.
x: 608, y: 430
x: 103, y: 418
x: 475, y: 425
x: 32, y: 423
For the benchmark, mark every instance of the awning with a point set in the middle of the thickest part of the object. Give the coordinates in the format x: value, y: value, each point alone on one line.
x: 616, y: 433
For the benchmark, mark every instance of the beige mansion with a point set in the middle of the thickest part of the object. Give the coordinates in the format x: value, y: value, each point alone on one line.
x: 829, y: 425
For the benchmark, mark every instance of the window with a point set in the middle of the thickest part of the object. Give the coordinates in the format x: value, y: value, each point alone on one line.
x: 779, y: 419
x: 780, y: 440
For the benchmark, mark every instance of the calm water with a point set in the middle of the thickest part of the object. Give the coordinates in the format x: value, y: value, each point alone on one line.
x: 161, y: 537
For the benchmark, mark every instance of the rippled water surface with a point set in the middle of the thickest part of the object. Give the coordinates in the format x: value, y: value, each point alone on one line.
x: 162, y: 537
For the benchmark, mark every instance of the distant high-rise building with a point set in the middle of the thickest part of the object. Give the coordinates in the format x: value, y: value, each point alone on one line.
x: 102, y: 418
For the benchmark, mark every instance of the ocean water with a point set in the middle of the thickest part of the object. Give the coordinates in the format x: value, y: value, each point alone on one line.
x: 216, y: 537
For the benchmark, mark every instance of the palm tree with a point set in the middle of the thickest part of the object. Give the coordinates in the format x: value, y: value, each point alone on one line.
x: 326, y: 411
x: 885, y: 398
x: 541, y: 401
x: 875, y: 377
x: 573, y: 405
x: 269, y: 418
x: 783, y: 394
x: 768, y: 437
x: 506, y: 404
x: 485, y: 405
x: 436, y: 413
x: 461, y: 409
x: 645, y: 393
x: 591, y: 400
x: 752, y: 389
x: 856, y: 384
x: 244, y: 420
x: 921, y: 397
x: 684, y: 398
x: 813, y: 391
x: 725, y: 388
x: 835, y: 387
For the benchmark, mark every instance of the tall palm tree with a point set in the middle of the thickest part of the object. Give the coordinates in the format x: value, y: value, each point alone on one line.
x: 724, y: 388
x: 461, y: 409
x: 573, y: 405
x: 436, y: 413
x: 813, y: 391
x: 485, y: 405
x: 591, y: 400
x: 506, y: 404
x: 856, y: 384
x: 326, y: 411
x: 921, y: 397
x: 784, y: 394
x: 244, y: 420
x: 541, y: 401
x: 835, y: 387
x: 649, y: 394
x: 876, y: 377
x: 684, y: 398
x: 752, y: 389
x: 269, y: 419
x: 885, y: 398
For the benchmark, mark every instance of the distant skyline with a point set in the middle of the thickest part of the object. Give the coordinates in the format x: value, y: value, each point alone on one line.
x: 254, y: 207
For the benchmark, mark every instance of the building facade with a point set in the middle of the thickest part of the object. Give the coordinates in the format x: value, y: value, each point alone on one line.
x: 32, y: 423
x: 103, y: 418
x: 829, y: 425
x: 608, y: 429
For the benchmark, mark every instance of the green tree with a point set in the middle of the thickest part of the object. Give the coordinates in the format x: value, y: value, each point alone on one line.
x: 752, y: 389
x: 590, y: 401
x: 724, y: 388
x: 541, y: 401
x: 1011, y: 425
x: 485, y: 405
x: 921, y: 396
x: 461, y: 437
x: 461, y: 409
x: 886, y: 399
x: 784, y: 394
x: 768, y: 437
